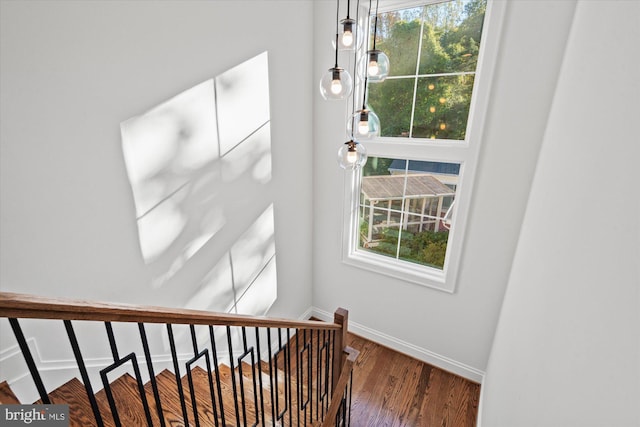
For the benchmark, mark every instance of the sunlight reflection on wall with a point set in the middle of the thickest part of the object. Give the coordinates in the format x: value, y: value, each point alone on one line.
x: 193, y: 162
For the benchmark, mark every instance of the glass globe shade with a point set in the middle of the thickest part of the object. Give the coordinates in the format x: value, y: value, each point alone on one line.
x: 352, y: 155
x: 377, y: 66
x: 336, y: 84
x: 364, y: 125
x: 350, y: 35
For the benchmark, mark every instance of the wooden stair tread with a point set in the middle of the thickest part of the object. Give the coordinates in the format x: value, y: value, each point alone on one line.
x: 74, y: 394
x: 7, y: 397
x: 128, y: 403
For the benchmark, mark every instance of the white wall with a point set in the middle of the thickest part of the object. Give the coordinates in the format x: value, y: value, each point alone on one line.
x: 453, y: 331
x: 71, y: 73
x: 567, y: 347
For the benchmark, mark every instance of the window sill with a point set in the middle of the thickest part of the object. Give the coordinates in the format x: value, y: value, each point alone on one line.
x: 401, y: 270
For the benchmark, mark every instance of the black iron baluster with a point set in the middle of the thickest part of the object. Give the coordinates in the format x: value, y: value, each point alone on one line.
x: 249, y: 351
x: 288, y: 382
x: 298, y: 389
x: 233, y: 376
x: 271, y: 386
x: 311, y: 369
x: 324, y: 372
x: 28, y: 358
x: 176, y: 367
x: 217, y: 368
x: 331, y: 351
x: 83, y: 372
x: 194, y: 340
x: 305, y: 383
x: 283, y: 349
x: 319, y: 374
x: 131, y: 357
x: 112, y: 341
x: 260, y: 375
x: 152, y: 375
x: 348, y: 423
x: 189, y: 363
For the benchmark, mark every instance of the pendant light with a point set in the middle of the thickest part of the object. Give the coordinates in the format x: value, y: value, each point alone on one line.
x: 336, y: 84
x: 349, y: 28
x: 377, y: 62
x: 352, y: 155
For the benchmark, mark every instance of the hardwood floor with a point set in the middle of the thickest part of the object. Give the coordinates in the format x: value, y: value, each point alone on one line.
x: 392, y: 389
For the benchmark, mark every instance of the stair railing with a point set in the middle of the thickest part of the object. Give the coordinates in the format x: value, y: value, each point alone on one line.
x: 280, y: 372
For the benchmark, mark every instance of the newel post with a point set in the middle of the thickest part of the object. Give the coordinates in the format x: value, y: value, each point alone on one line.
x: 340, y: 317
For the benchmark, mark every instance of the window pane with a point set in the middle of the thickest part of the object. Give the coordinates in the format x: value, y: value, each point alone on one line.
x: 442, y: 107
x: 451, y: 36
x: 398, y: 35
x: 405, y: 209
x: 391, y: 100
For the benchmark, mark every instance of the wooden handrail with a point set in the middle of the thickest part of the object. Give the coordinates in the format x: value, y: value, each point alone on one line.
x: 352, y: 355
x: 24, y: 306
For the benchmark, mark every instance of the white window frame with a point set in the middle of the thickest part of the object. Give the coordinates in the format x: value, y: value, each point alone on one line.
x: 464, y: 152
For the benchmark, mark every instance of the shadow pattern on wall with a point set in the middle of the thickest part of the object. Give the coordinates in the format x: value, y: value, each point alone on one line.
x: 199, y: 166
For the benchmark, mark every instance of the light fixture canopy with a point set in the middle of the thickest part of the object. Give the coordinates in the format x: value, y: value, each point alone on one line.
x: 352, y: 155
x: 336, y: 84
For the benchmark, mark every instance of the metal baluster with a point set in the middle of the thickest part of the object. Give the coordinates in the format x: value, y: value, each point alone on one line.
x: 131, y: 357
x: 240, y: 378
x: 112, y: 341
x: 28, y: 358
x: 348, y: 423
x: 83, y: 372
x: 273, y: 402
x: 194, y: 340
x: 298, y: 389
x: 192, y: 389
x: 233, y: 376
x: 319, y: 371
x: 288, y: 383
x: 310, y: 364
x: 260, y: 375
x: 325, y: 352
x: 176, y: 367
x: 152, y: 375
x: 217, y: 367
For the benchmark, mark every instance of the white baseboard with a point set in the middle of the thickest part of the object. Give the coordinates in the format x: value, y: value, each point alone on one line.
x: 409, y: 349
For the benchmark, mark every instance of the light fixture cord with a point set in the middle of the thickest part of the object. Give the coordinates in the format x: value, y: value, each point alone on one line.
x: 355, y: 63
x: 375, y: 26
x: 349, y: 9
x: 337, y: 30
x: 366, y: 74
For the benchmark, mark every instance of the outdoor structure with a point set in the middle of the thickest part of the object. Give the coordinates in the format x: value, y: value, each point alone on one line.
x: 418, y: 199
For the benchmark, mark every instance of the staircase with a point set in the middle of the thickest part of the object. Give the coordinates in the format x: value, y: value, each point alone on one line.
x: 243, y: 371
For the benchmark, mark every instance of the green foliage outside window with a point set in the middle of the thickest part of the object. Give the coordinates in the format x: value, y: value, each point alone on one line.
x: 450, y: 42
x: 426, y: 247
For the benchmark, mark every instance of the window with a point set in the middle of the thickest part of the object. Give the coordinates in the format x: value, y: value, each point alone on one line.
x: 408, y: 205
